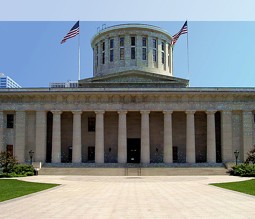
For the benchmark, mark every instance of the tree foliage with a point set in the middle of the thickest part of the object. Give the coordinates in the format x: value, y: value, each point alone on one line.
x: 251, y: 156
x: 7, y: 161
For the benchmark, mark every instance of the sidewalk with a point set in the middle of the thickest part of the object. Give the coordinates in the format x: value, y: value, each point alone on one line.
x: 131, y: 197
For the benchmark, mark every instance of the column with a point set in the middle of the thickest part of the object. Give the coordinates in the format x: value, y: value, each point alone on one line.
x: 226, y: 136
x: 122, y: 137
x: 99, y: 147
x: 56, y: 137
x: 2, y: 146
x: 190, y: 138
x: 247, y: 133
x: 40, y: 136
x: 145, y: 137
x: 168, y: 142
x: 76, y: 154
x: 167, y: 56
x: 211, y: 140
x: 20, y: 136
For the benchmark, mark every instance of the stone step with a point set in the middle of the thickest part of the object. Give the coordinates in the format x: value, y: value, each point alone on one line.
x: 133, y: 171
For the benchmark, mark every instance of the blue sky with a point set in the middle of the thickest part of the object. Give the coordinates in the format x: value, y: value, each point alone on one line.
x: 221, y: 53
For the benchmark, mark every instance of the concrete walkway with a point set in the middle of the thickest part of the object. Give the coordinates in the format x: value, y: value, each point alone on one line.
x: 131, y: 197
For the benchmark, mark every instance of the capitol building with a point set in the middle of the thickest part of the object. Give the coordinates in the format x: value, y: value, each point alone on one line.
x: 133, y: 110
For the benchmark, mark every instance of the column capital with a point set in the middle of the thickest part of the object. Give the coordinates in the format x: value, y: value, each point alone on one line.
x: 226, y: 111
x: 99, y: 111
x: 145, y: 111
x: 77, y: 112
x: 247, y: 112
x: 210, y: 112
x: 190, y: 111
x: 167, y: 112
x: 122, y: 112
x: 56, y: 112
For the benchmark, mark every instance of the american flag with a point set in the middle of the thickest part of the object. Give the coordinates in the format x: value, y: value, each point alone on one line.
x: 72, y: 33
x: 182, y: 31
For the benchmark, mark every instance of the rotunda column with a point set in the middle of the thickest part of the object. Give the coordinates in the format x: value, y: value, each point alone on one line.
x: 2, y: 146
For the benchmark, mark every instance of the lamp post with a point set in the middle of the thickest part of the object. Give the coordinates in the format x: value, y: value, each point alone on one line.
x: 31, y: 153
x: 236, y: 155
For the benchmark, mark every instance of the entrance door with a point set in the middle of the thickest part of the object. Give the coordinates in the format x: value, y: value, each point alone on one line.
x: 91, y: 153
x: 133, y: 150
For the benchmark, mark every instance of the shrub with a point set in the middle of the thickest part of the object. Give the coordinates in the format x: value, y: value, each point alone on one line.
x: 251, y: 156
x: 243, y: 170
x: 23, y: 170
x: 7, y: 161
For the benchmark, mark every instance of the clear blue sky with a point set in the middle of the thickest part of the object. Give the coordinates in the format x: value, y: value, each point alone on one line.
x: 221, y: 53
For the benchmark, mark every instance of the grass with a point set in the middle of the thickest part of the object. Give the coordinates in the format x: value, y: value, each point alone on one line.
x: 12, y: 188
x: 247, y: 187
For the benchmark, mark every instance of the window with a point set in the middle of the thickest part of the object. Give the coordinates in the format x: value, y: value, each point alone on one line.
x: 132, y: 47
x: 111, y: 43
x: 103, y: 52
x: 154, y: 50
x: 132, y: 41
x: 121, y: 41
x: 144, y: 42
x: 122, y: 54
x: 122, y: 50
x: 111, y: 55
x: 10, y: 121
x: 144, y: 48
x: 91, y: 124
x: 96, y: 55
x: 111, y: 50
x: 144, y: 54
x: 163, y: 52
x: 132, y: 52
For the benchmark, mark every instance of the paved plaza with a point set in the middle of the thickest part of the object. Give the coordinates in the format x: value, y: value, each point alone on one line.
x: 131, y: 197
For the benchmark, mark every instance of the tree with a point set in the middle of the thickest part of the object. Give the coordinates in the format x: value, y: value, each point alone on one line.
x: 251, y: 156
x: 7, y: 161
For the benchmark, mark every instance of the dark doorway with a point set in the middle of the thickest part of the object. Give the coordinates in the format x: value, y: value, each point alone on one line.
x: 91, y: 153
x: 133, y: 150
x: 9, y: 149
x: 70, y: 154
x: 175, y: 154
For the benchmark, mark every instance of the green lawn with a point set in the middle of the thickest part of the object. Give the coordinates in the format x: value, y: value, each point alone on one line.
x: 12, y: 188
x: 247, y: 187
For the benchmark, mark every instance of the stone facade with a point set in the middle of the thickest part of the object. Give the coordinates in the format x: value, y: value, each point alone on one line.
x: 134, y: 113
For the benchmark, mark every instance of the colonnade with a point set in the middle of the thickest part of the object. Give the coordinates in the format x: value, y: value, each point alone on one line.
x: 41, y: 125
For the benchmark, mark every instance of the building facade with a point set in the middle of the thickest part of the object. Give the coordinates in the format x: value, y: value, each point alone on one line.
x: 132, y: 111
x: 7, y: 82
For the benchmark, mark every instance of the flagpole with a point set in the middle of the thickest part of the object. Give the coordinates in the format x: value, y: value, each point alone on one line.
x: 79, y: 58
x: 188, y: 49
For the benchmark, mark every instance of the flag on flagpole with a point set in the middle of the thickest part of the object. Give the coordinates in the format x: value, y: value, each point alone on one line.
x: 72, y: 33
x: 183, y: 30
